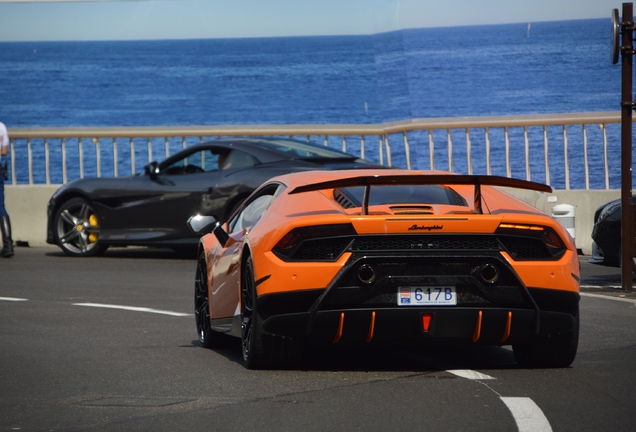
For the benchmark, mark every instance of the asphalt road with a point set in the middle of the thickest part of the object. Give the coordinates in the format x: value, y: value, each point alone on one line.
x: 68, y: 362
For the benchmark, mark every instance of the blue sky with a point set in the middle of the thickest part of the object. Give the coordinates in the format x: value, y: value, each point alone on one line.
x: 25, y: 20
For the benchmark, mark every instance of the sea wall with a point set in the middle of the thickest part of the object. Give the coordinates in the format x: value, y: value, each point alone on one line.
x: 26, y: 205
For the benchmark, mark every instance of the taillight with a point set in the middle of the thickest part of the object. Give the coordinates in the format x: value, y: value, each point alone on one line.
x: 315, y: 243
x: 554, y: 245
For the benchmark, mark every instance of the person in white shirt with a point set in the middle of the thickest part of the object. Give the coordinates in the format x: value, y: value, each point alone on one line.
x: 5, y: 223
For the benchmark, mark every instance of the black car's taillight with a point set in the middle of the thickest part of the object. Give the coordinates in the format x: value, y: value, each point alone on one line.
x: 530, y: 242
x: 315, y: 243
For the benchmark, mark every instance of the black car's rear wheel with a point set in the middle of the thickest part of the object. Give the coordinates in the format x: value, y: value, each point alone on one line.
x: 261, y: 350
x: 76, y: 229
x: 208, y: 337
x: 549, y: 352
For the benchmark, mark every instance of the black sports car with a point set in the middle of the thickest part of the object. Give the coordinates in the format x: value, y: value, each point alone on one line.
x: 606, y: 249
x: 85, y: 216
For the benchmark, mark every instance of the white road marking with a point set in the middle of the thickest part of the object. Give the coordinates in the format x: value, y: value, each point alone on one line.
x: 527, y: 414
x: 609, y: 297
x: 470, y: 374
x: 12, y: 299
x: 132, y: 308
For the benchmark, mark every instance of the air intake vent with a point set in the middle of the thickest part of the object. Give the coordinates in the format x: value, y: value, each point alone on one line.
x: 412, y: 209
x: 343, y: 200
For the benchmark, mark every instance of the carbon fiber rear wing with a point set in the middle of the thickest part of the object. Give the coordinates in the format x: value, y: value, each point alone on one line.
x: 424, y: 179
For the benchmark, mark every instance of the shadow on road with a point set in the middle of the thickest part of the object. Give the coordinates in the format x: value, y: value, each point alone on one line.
x: 389, y: 359
x: 141, y: 252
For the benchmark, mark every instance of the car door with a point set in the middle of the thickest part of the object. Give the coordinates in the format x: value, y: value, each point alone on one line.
x: 226, y: 272
x: 159, y: 204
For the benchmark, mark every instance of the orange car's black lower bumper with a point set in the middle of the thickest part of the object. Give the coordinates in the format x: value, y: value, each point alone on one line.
x: 355, y: 327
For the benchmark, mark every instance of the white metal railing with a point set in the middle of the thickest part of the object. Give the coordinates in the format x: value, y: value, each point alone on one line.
x: 545, y: 148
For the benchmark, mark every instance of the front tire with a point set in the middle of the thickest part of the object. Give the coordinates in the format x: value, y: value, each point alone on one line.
x: 208, y: 337
x: 76, y: 229
x: 557, y: 351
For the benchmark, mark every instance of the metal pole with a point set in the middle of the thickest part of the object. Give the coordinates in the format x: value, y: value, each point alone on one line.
x: 627, y: 224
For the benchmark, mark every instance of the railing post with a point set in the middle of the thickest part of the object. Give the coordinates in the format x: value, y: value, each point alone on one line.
x: 605, y: 158
x: 449, y: 140
x: 14, y: 176
x: 80, y: 152
x: 149, y: 145
x: 132, y: 156
x: 585, y: 163
x: 64, y: 167
x: 507, y: 145
x: 565, y: 158
x: 431, y: 150
x: 167, y: 145
x: 46, y: 161
x: 115, y: 158
x: 381, y: 150
x: 526, y: 144
x: 344, y: 143
x: 407, y: 150
x: 545, y: 155
x: 98, y: 158
x: 362, y: 146
x: 30, y: 156
x: 469, y: 153
x: 487, y: 140
x: 388, y: 150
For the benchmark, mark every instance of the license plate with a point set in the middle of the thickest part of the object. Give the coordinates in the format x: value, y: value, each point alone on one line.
x: 427, y: 296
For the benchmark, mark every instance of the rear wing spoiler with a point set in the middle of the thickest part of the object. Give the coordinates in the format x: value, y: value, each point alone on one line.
x: 424, y: 179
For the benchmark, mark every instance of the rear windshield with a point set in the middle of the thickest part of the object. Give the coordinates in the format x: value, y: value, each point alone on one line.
x: 304, y: 150
x: 406, y: 194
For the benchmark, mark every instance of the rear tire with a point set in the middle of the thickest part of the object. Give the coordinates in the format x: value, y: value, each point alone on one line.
x: 556, y: 351
x: 261, y: 350
x: 76, y: 229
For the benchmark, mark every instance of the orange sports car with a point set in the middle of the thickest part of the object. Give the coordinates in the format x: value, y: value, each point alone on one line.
x: 365, y: 258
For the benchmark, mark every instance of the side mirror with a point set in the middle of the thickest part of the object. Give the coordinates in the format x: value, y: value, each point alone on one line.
x: 152, y: 169
x: 202, y: 224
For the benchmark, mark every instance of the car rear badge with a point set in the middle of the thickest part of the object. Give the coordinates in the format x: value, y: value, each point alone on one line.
x: 429, y: 228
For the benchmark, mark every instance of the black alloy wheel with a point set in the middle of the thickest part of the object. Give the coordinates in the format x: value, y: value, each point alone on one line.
x: 262, y: 350
x: 76, y: 229
x: 208, y: 337
x: 248, y: 315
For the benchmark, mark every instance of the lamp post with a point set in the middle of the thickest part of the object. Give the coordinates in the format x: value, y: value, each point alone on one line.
x: 626, y: 50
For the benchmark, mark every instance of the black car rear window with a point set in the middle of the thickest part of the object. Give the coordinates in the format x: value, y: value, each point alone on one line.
x: 405, y: 194
x: 298, y: 149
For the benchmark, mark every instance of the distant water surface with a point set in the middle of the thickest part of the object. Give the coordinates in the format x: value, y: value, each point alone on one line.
x: 549, y: 67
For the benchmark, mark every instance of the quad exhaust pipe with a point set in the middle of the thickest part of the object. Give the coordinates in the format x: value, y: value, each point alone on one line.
x: 488, y: 273
x: 366, y: 274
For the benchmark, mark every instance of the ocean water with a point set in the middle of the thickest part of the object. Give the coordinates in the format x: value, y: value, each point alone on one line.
x: 549, y: 67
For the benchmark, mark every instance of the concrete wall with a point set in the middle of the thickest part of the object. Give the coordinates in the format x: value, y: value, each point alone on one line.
x: 27, y: 208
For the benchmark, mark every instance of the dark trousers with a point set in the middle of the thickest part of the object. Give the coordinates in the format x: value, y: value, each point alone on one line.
x: 3, y: 211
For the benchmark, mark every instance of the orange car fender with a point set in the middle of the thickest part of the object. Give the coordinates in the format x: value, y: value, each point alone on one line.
x: 280, y: 276
x: 562, y: 275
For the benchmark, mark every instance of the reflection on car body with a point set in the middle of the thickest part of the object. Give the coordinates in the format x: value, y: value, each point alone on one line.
x: 85, y: 216
x: 383, y: 257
